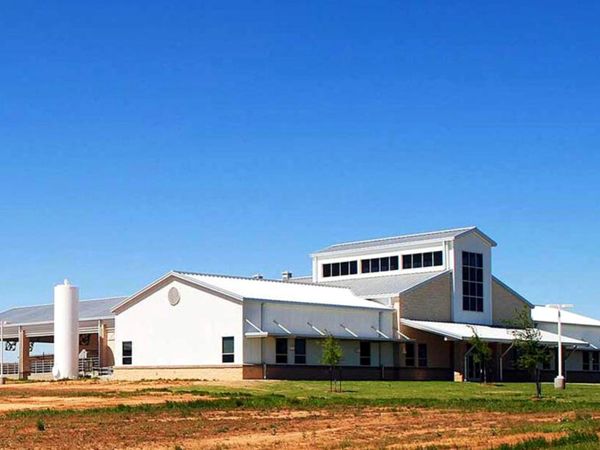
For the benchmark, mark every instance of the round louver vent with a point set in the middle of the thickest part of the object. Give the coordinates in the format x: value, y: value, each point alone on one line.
x: 174, y: 296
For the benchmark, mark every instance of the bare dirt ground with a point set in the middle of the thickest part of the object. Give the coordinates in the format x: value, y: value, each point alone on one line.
x: 85, y: 394
x: 206, y: 429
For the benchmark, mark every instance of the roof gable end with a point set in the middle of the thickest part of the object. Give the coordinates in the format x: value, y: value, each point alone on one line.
x: 165, y: 280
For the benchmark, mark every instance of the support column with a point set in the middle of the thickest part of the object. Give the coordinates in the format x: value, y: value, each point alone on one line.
x: 494, y: 365
x: 458, y: 357
x: 104, y: 359
x: 24, y: 360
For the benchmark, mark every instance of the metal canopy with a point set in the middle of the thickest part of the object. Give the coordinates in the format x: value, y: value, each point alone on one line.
x: 465, y: 331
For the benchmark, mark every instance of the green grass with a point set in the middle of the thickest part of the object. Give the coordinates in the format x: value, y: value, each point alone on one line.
x: 470, y: 396
x: 517, y: 397
x: 574, y: 440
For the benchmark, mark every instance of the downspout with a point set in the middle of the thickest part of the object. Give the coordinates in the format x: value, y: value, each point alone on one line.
x: 99, y: 344
x: 379, y: 322
x: 262, y: 344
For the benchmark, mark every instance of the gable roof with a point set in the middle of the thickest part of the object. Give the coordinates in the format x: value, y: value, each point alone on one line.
x: 88, y: 309
x: 550, y: 315
x: 386, y: 285
x: 241, y: 288
x: 405, y: 239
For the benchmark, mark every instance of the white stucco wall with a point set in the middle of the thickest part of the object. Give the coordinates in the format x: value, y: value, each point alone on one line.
x: 295, y: 318
x: 350, y: 349
x: 189, y: 333
x: 585, y: 333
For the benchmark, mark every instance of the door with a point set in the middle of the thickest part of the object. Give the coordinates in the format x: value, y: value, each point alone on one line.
x: 474, y: 372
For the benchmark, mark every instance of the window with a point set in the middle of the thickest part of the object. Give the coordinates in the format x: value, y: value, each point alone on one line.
x: 418, y: 260
x: 409, y: 358
x: 591, y: 361
x: 281, y: 350
x: 335, y: 270
x: 353, y: 267
x: 422, y: 355
x: 127, y: 353
x: 344, y: 268
x: 300, y: 351
x: 427, y: 259
x: 384, y: 264
x: 365, y: 266
x: 365, y: 353
x: 340, y: 269
x: 472, y: 272
x: 227, y: 349
x: 375, y: 265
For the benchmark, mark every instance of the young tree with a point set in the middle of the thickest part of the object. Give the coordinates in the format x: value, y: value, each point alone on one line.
x: 532, y: 354
x: 332, y: 356
x: 482, y: 353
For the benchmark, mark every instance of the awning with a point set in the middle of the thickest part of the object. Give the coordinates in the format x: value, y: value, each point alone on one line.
x: 264, y: 334
x: 465, y: 331
x: 313, y: 331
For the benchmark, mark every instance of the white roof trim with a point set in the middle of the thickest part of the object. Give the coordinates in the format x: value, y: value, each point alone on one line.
x: 252, y: 334
x: 512, y: 291
x: 371, y: 244
x: 233, y: 296
x: 544, y: 314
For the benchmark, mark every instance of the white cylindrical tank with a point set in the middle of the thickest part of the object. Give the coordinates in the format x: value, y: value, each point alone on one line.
x: 66, y: 331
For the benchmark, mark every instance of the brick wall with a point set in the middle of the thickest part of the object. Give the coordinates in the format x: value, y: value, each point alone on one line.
x: 439, y: 351
x: 429, y: 301
x: 504, y: 304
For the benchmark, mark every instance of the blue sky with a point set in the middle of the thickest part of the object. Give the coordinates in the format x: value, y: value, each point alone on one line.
x: 237, y: 137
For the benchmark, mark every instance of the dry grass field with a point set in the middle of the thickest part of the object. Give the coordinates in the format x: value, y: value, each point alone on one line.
x: 286, y: 415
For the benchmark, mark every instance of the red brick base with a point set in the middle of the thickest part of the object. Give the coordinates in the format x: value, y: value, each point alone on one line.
x: 298, y: 372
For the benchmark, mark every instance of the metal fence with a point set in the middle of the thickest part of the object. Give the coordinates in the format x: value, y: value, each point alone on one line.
x: 41, y: 365
x: 11, y: 368
x: 87, y: 367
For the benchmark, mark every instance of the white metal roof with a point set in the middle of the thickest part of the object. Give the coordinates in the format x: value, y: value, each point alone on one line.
x: 88, y: 309
x: 404, y: 239
x: 272, y: 290
x: 464, y: 332
x: 550, y: 315
x: 385, y: 285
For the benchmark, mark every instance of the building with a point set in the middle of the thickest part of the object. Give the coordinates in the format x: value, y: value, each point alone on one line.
x: 188, y: 325
x: 442, y: 289
x: 581, y: 365
x: 30, y: 325
x: 403, y: 308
